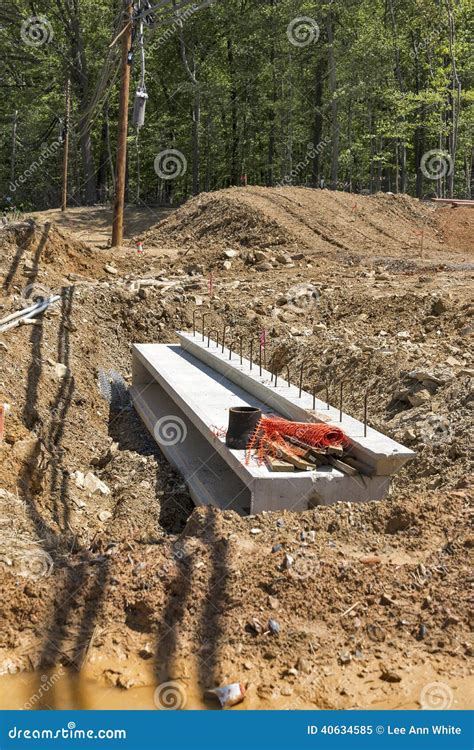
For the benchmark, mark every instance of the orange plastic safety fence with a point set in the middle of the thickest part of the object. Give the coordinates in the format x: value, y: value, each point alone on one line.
x: 272, y: 431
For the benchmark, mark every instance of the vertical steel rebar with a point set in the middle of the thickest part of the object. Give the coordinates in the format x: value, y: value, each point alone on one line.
x: 288, y: 375
x: 223, y: 336
x: 204, y: 316
x: 301, y: 378
x: 340, y: 400
x: 195, y: 312
x: 241, y: 339
x: 366, y: 398
x: 260, y: 360
x: 213, y: 330
x: 251, y: 353
x: 276, y: 377
x: 327, y: 395
x: 314, y: 397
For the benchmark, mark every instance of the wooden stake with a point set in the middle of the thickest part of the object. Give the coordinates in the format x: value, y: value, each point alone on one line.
x: 117, y: 229
x: 66, y: 145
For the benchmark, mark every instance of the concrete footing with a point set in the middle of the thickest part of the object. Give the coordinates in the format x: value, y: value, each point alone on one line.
x: 183, y: 394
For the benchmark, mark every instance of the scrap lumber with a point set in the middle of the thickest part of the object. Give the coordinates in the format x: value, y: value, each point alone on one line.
x: 280, y: 452
x: 276, y: 464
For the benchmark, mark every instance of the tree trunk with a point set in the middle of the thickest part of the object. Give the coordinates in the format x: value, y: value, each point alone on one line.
x: 196, y: 107
x: 80, y: 78
x: 455, y: 101
x: 196, y: 151
x: 403, y: 150
x: 332, y: 79
x: 103, y: 160
x: 234, y: 144
x: 272, y: 115
x: 317, y: 121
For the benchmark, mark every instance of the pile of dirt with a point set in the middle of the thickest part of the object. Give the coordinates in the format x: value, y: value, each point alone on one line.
x: 320, y: 222
x: 111, y: 567
x: 455, y: 226
x: 36, y: 258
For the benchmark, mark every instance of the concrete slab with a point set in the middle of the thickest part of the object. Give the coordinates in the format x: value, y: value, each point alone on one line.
x: 384, y: 455
x: 184, y: 403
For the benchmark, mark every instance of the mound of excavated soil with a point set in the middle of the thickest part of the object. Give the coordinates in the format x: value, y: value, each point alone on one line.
x: 40, y: 255
x: 119, y: 581
x: 304, y: 219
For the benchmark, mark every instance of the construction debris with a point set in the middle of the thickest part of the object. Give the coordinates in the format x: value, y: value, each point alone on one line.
x: 228, y: 695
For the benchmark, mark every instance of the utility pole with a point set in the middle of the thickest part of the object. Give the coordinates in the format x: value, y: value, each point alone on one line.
x: 13, y: 157
x: 117, y: 229
x: 66, y: 144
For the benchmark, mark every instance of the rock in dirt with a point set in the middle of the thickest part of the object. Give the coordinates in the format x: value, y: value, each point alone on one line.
x: 274, y: 627
x: 388, y: 675
x: 90, y: 483
x: 105, y: 515
x: 60, y: 371
x: 287, y: 563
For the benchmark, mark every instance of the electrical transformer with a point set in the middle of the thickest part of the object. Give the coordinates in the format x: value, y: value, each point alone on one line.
x: 139, y: 108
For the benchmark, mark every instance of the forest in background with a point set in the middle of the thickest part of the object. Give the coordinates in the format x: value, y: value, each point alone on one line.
x: 360, y: 95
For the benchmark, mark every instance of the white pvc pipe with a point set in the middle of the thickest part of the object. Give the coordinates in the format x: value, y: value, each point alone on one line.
x: 11, y: 321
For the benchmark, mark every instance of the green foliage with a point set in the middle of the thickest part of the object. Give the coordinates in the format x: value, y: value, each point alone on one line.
x: 403, y: 85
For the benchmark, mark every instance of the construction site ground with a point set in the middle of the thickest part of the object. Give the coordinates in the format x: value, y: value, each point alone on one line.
x: 127, y: 586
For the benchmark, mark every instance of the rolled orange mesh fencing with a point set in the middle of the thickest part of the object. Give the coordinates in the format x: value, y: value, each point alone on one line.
x: 272, y: 431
